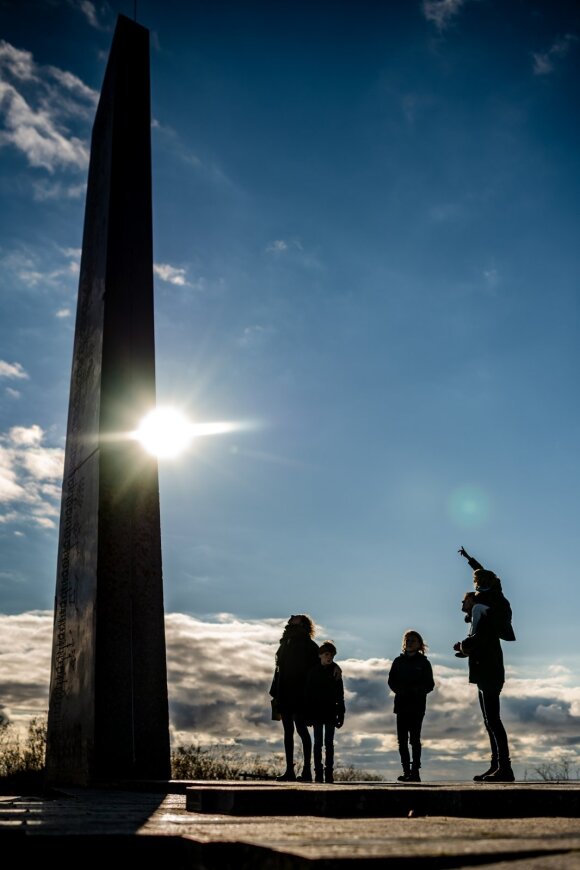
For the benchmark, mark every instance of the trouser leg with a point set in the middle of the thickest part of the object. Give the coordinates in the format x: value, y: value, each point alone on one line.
x: 490, y: 708
x: 329, y: 747
x: 288, y: 723
x: 403, y: 741
x: 415, y: 723
x: 318, y: 740
x: 304, y: 734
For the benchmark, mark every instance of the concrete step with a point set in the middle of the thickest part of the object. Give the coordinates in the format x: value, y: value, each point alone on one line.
x: 467, y: 800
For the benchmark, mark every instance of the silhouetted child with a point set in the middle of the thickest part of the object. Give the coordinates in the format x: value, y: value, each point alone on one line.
x: 325, y: 709
x: 411, y: 679
x: 489, y: 599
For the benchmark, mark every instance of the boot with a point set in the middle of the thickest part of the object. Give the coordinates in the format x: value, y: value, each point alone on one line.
x: 414, y: 775
x: 504, y: 773
x: 493, y: 766
x: 328, y: 774
x: 305, y: 776
x: 406, y: 775
x: 287, y: 776
x: 318, y: 774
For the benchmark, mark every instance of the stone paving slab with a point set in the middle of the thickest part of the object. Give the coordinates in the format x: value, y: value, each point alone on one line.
x: 97, y: 827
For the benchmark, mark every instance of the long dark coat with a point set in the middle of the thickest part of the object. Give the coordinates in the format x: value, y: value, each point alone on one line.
x: 296, y: 655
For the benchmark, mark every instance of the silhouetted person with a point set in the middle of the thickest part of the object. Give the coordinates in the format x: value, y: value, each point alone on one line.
x: 324, y: 709
x: 296, y: 655
x: 411, y: 679
x: 486, y: 669
x: 489, y: 592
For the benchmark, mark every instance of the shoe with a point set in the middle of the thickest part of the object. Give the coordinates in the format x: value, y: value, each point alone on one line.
x: 318, y: 776
x: 305, y: 776
x: 414, y: 776
x: 405, y: 777
x: 287, y: 776
x: 502, y: 774
x: 328, y: 776
x: 491, y: 769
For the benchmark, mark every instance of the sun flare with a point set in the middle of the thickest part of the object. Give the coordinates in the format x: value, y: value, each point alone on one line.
x: 167, y: 433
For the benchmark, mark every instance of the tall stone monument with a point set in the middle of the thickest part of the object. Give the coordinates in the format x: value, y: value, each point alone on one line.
x: 108, y: 711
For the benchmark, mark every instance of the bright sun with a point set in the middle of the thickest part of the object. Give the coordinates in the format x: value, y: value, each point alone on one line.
x: 165, y: 433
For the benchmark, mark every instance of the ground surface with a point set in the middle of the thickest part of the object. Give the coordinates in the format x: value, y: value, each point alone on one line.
x: 96, y: 827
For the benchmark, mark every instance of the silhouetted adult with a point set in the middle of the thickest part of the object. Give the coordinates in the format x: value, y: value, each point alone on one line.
x: 296, y: 655
x: 483, y: 648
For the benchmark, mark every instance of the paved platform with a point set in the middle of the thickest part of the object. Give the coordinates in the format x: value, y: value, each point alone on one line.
x: 101, y: 827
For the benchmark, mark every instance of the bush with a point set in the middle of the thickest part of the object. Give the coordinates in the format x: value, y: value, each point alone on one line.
x: 556, y: 771
x: 227, y: 762
x: 350, y: 773
x: 22, y: 764
x: 221, y: 762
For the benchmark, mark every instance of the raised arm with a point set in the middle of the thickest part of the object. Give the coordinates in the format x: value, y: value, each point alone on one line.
x: 473, y: 563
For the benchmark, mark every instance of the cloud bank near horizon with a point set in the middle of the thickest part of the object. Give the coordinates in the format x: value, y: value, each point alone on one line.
x: 219, y: 673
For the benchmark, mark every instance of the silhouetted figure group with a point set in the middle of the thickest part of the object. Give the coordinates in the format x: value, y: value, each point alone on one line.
x: 308, y: 690
x: 307, y: 687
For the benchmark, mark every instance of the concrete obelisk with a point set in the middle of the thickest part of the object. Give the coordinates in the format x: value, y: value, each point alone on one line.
x: 108, y: 711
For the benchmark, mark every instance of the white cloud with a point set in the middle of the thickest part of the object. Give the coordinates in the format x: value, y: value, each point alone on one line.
x: 44, y: 463
x: 12, y: 370
x: 31, y: 270
x: 38, y: 106
x: 255, y: 336
x: 441, y: 12
x: 44, y: 189
x: 277, y: 247
x: 14, y: 394
x: 281, y: 246
x: 63, y: 313
x: 219, y: 673
x: 73, y: 84
x: 171, y: 274
x: 89, y: 10
x: 29, y: 474
x: 30, y: 436
x: 544, y: 62
x: 293, y: 251
x: 19, y: 63
x: 35, y: 134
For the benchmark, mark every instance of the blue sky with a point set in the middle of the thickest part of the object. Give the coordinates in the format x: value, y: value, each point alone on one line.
x: 365, y: 235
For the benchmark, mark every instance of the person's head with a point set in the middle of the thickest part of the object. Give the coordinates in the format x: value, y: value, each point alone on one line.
x: 469, y: 599
x: 413, y: 643
x: 302, y: 622
x: 326, y: 652
x: 483, y: 579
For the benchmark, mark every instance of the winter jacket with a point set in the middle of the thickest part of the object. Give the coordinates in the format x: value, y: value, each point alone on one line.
x: 411, y: 679
x: 296, y: 655
x: 483, y: 648
x: 324, y: 696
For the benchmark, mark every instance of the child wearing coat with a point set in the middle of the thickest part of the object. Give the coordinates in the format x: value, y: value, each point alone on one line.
x: 411, y: 679
x: 325, y: 709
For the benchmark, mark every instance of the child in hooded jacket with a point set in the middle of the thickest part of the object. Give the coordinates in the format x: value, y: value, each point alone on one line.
x: 411, y: 679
